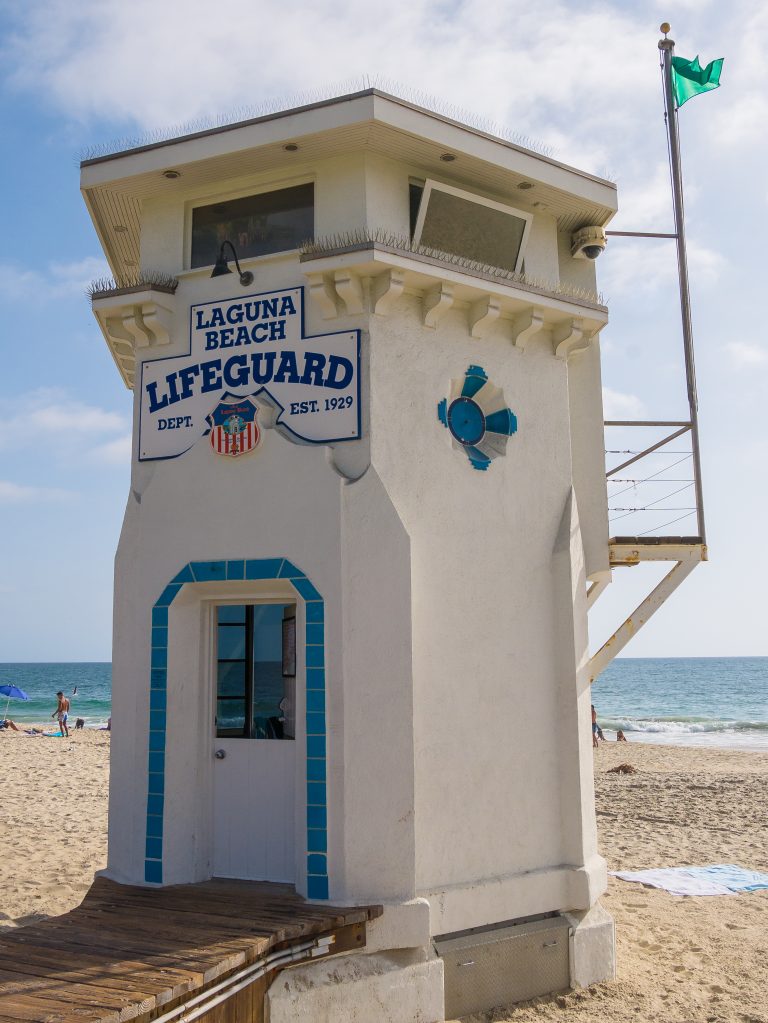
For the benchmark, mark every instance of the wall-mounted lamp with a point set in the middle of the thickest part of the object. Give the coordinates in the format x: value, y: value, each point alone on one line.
x: 222, y: 267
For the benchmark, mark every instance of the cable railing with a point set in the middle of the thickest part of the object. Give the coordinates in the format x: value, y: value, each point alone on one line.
x: 651, y: 478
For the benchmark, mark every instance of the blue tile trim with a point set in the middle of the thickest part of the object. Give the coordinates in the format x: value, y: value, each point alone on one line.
x: 315, y: 611
x: 317, y: 886
x: 315, y: 634
x: 264, y: 568
x: 156, y: 784
x: 159, y: 636
x: 316, y: 701
x: 317, y: 864
x: 316, y: 793
x: 184, y: 576
x: 157, y: 743
x: 315, y: 745
x: 158, y: 699
x: 315, y: 656
x: 317, y: 840
x: 157, y: 720
x: 159, y: 657
x: 289, y: 571
x: 168, y: 595
x: 153, y: 871
x: 306, y: 589
x: 160, y: 616
x: 154, y: 848
x: 315, y: 724
x: 317, y: 815
x: 155, y: 803
x: 154, y: 826
x: 315, y: 678
x: 158, y: 678
x: 208, y: 571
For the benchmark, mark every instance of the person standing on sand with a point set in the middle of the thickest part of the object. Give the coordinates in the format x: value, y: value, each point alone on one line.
x: 595, y: 728
x: 62, y: 713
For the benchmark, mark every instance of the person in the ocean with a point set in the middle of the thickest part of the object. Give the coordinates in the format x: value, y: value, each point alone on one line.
x: 62, y: 713
x: 595, y: 728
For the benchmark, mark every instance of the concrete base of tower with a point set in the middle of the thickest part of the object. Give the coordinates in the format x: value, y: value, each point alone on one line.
x: 593, y: 946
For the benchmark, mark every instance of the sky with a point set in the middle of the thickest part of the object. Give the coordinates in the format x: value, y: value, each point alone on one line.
x: 581, y: 78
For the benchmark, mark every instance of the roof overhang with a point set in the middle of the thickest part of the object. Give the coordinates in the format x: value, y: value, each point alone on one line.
x: 115, y: 186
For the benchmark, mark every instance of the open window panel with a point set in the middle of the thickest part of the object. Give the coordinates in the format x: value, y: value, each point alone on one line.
x: 256, y: 671
x: 464, y: 224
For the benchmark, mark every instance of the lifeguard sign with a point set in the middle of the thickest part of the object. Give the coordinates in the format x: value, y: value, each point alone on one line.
x: 247, y: 346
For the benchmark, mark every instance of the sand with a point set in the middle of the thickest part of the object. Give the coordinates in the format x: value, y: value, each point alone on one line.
x: 53, y: 822
x: 680, y: 960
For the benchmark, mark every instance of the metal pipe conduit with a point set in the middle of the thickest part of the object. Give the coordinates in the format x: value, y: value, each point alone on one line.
x: 196, y: 1006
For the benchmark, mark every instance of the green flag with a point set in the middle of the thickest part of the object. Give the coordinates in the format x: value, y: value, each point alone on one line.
x: 689, y: 78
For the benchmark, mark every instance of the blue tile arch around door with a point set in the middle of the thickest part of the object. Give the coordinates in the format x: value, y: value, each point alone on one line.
x: 317, y: 812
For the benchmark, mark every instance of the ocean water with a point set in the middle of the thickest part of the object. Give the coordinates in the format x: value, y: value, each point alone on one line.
x: 42, y: 681
x: 682, y: 701
x: 686, y: 701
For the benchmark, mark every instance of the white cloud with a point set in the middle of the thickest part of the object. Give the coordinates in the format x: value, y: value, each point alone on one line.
x: 59, y: 280
x: 645, y: 203
x: 745, y: 355
x: 114, y: 452
x: 16, y: 493
x: 52, y: 417
x: 645, y: 265
x: 541, y: 69
x: 621, y: 406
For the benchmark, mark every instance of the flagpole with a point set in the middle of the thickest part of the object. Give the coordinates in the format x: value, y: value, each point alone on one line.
x: 667, y: 47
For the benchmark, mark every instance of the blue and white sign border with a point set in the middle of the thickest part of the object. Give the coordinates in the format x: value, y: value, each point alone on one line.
x: 263, y: 389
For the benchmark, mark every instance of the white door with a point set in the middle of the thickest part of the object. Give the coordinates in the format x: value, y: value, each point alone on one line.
x: 253, y: 810
x: 255, y: 753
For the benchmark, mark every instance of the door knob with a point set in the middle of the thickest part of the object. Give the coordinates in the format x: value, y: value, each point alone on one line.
x: 220, y: 754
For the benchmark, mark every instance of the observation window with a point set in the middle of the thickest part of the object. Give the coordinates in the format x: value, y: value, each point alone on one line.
x: 256, y: 224
x: 464, y: 224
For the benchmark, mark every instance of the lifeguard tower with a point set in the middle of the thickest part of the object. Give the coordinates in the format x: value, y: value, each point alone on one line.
x: 367, y: 499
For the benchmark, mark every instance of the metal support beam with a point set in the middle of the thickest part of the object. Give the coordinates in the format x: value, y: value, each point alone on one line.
x: 639, y: 617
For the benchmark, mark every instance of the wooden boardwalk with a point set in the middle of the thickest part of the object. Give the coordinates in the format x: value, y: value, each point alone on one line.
x: 138, y: 953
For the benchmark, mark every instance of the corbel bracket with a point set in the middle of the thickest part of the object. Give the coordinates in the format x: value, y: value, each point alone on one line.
x: 350, y: 291
x: 482, y: 315
x: 436, y: 303
x: 323, y: 295
x: 568, y: 337
x: 526, y: 326
x: 387, y: 288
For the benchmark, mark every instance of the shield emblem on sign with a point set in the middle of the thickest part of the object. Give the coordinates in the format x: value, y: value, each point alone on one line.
x: 234, y: 427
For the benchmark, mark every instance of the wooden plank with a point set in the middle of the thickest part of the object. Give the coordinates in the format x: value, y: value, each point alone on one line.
x: 124, y: 1005
x: 123, y: 972
x: 127, y: 950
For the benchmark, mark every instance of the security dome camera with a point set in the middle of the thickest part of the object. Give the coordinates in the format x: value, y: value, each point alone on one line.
x: 588, y: 243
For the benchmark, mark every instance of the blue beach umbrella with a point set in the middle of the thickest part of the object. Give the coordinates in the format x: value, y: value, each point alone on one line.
x: 13, y: 693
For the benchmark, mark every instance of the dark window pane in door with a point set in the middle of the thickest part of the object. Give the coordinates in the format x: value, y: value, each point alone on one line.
x: 231, y: 613
x: 230, y: 717
x: 231, y: 643
x: 232, y: 678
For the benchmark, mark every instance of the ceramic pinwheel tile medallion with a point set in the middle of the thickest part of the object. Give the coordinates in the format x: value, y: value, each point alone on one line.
x: 477, y: 418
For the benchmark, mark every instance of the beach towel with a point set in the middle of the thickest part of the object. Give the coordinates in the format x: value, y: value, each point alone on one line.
x: 715, y: 879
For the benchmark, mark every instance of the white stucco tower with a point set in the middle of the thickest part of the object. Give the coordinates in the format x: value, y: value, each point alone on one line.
x: 368, y: 494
